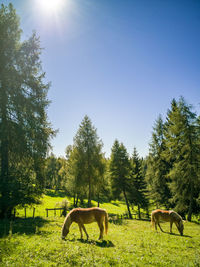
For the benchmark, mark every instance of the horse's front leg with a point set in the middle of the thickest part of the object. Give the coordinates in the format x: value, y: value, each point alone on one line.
x: 160, y: 227
x: 85, y: 231
x: 171, y: 223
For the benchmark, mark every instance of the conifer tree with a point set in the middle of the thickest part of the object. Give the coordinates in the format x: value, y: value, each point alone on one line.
x: 120, y: 172
x: 158, y: 167
x: 138, y: 188
x: 183, y: 149
x: 87, y: 157
x: 24, y: 128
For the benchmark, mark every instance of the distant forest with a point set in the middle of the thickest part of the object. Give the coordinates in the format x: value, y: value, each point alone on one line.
x: 169, y: 177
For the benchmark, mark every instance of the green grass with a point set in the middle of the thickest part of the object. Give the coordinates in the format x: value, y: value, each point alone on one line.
x: 37, y: 242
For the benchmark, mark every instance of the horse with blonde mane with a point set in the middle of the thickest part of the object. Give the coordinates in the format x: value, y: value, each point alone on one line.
x: 167, y: 216
x: 83, y: 216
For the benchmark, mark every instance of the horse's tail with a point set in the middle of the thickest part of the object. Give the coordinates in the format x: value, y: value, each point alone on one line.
x: 106, y: 222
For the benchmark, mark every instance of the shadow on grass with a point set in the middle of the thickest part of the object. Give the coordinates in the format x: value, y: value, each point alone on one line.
x: 102, y: 244
x: 176, y: 234
x: 26, y: 226
x: 143, y: 219
x: 198, y: 223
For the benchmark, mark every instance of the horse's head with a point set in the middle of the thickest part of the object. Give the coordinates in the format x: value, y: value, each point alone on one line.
x: 65, y: 228
x: 180, y: 227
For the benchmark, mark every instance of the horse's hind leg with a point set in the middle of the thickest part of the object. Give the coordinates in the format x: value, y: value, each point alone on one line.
x: 101, y: 228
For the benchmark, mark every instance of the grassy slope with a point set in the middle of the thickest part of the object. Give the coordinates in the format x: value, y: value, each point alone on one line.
x: 37, y: 242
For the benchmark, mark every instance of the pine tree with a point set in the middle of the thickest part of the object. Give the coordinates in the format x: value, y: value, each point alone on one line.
x: 158, y: 167
x: 24, y: 129
x: 138, y: 188
x: 120, y: 172
x: 87, y: 157
x: 183, y: 149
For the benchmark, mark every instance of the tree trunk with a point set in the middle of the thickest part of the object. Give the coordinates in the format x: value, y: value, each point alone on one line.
x: 98, y: 200
x: 74, y: 197
x: 139, y: 211
x: 191, y: 205
x: 4, y: 183
x: 89, y: 194
x: 127, y: 204
x: 76, y: 203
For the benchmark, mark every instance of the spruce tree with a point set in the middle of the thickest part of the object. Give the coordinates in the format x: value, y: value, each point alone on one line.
x: 183, y: 149
x: 87, y: 157
x: 158, y: 167
x: 120, y: 172
x: 138, y: 188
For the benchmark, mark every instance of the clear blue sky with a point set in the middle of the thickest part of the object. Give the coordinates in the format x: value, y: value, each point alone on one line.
x: 119, y: 61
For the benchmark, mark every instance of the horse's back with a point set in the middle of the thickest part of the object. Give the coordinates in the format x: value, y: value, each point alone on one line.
x: 159, y: 215
x: 165, y: 215
x: 87, y: 215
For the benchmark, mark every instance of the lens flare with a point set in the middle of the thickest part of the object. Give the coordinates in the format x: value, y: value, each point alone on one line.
x: 50, y: 6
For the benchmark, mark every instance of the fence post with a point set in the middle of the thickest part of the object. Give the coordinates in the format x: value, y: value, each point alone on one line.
x: 47, y: 212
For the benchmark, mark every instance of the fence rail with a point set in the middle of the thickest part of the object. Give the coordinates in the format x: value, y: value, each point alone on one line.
x: 55, y: 209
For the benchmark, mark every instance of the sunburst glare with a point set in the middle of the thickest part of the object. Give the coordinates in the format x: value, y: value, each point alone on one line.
x: 50, y: 6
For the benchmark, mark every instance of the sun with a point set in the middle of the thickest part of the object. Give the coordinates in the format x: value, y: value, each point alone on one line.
x: 50, y: 6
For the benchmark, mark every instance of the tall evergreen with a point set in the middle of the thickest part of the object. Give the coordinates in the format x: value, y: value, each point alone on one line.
x: 158, y: 167
x: 87, y: 157
x: 138, y: 187
x: 120, y: 172
x: 183, y: 149
x: 24, y: 129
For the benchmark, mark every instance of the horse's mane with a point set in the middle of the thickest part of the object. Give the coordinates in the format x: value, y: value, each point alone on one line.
x: 68, y: 218
x: 178, y: 216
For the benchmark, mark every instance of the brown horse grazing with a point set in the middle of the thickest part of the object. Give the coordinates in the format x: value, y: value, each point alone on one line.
x: 84, y: 216
x: 167, y: 216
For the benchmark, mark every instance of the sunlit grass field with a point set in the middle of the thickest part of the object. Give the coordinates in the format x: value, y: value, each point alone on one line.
x: 37, y: 242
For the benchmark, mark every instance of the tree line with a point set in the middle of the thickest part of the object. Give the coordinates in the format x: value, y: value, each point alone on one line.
x: 168, y: 177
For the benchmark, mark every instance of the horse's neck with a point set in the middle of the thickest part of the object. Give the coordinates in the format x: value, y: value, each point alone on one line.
x: 68, y: 222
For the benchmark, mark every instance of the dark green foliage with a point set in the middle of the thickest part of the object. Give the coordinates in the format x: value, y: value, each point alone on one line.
x: 183, y: 150
x: 138, y: 187
x: 120, y: 172
x: 158, y: 167
x: 86, y: 164
x: 55, y: 172
x: 24, y: 129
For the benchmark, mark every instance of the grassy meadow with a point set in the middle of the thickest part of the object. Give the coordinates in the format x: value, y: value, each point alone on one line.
x: 37, y: 242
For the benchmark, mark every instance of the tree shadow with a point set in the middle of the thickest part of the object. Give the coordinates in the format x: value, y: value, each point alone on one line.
x: 198, y: 223
x: 28, y: 226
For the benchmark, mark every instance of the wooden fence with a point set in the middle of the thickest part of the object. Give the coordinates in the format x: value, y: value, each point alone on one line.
x: 55, y: 209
